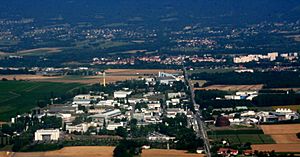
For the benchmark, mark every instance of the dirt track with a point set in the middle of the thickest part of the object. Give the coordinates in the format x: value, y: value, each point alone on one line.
x: 232, y: 87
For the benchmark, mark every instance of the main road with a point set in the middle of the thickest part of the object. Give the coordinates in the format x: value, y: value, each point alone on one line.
x: 198, y: 122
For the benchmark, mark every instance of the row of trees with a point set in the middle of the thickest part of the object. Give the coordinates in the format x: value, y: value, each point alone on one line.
x: 276, y: 99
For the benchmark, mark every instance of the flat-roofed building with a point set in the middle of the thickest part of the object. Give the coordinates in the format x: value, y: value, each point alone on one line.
x: 122, y: 94
x: 114, y: 126
x: 101, y: 117
x: 47, y: 135
x: 83, y: 127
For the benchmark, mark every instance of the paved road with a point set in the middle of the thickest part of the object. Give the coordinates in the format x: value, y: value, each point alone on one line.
x: 198, y: 123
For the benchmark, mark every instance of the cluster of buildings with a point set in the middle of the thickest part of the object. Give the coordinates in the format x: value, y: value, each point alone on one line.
x: 270, y: 56
x: 242, y: 95
x: 255, y: 57
x: 96, y: 111
x: 165, y: 60
x: 241, y: 115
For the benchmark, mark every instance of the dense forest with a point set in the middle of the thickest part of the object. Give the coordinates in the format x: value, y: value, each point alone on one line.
x: 284, y: 79
x: 207, y: 98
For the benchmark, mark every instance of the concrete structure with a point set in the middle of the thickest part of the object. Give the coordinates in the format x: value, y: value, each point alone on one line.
x: 154, y: 106
x: 85, y: 99
x: 114, y: 126
x: 47, y: 135
x: 101, y: 117
x: 166, y: 80
x: 172, y: 112
x: 61, y: 108
x: 255, y: 57
x: 122, y: 94
x: 106, y: 103
x: 78, y: 128
x: 176, y: 95
x: 66, y: 117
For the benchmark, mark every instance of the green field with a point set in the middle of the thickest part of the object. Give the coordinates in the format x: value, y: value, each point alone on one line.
x: 241, y: 136
x: 20, y: 96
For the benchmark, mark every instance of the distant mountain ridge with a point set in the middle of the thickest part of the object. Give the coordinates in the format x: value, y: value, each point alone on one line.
x: 206, y: 11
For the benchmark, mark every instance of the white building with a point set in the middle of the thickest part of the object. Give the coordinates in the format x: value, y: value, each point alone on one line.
x: 101, y: 117
x: 255, y: 57
x: 272, y: 56
x: 176, y: 95
x: 83, y: 99
x: 47, y: 135
x: 172, y: 112
x: 114, y: 126
x: 122, y: 94
x: 66, y: 117
x: 166, y: 80
x: 283, y: 110
x: 83, y: 127
x: 154, y: 106
x: 248, y: 114
x: 232, y: 97
x: 244, y: 71
x: 106, y: 103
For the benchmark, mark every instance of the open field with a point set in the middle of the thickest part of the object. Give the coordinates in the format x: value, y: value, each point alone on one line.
x: 232, y: 87
x: 69, y: 79
x: 290, y: 138
x: 112, y: 76
x: 241, y: 136
x: 277, y: 147
x: 99, y: 151
x: 285, y: 137
x: 33, y: 52
x: 80, y: 151
x: 201, y: 82
x: 4, y: 154
x: 281, y: 129
x: 89, y: 79
x: 140, y: 71
x: 28, y: 77
x: 168, y: 153
x: 283, y: 133
x: 242, y: 139
x: 21, y: 96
